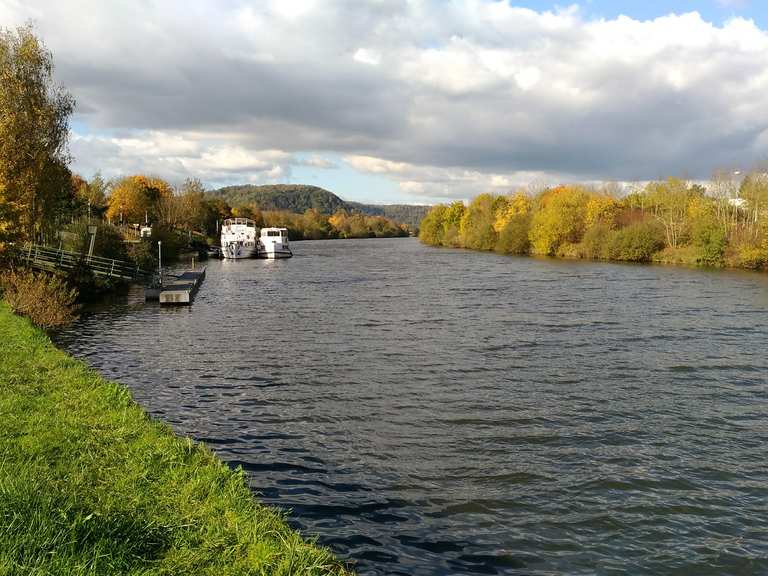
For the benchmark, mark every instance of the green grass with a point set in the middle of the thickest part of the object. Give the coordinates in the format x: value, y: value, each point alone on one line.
x: 90, y: 485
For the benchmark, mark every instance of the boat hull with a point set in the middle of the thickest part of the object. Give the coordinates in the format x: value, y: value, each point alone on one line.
x: 275, y: 254
x: 234, y: 251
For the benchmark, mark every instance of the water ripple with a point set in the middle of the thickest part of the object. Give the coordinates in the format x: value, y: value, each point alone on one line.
x: 430, y: 412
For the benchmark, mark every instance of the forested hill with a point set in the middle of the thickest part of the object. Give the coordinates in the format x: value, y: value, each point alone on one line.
x: 410, y: 214
x: 291, y: 197
x: 301, y: 197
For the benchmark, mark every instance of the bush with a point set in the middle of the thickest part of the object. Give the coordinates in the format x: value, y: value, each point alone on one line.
x: 752, y: 257
x: 636, y: 243
x: 570, y: 251
x: 143, y: 254
x: 596, y: 242
x: 513, y: 238
x: 109, y: 241
x: 173, y: 242
x: 711, y: 241
x: 681, y: 255
x: 47, y: 300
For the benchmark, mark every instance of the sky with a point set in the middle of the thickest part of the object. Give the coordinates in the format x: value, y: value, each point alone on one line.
x: 412, y: 101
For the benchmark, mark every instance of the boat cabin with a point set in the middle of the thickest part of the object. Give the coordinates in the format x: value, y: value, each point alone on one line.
x: 274, y: 233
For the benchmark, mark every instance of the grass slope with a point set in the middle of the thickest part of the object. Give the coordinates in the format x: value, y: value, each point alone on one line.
x: 90, y: 485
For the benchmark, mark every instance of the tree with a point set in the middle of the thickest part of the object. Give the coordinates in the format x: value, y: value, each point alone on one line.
x: 754, y: 189
x: 135, y: 198
x: 476, y: 227
x: 34, y: 125
x: 452, y: 223
x: 601, y: 209
x: 669, y: 203
x: 560, y: 218
x: 431, y: 227
x: 193, y: 212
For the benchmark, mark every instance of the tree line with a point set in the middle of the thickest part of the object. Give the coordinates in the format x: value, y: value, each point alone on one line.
x: 41, y: 200
x: 675, y: 221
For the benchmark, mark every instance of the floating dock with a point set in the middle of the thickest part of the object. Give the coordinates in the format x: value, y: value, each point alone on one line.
x: 179, y: 289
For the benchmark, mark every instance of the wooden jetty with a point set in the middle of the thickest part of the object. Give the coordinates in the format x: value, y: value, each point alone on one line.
x: 177, y: 290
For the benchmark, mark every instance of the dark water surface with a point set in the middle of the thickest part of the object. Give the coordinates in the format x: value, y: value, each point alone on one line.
x: 429, y: 411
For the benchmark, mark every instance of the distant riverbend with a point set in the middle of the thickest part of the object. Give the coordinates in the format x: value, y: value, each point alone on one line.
x: 434, y: 411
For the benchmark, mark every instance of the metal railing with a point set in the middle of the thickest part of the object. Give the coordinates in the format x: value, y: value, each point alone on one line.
x: 46, y: 258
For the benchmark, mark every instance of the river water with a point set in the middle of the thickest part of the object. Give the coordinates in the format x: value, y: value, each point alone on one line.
x: 428, y: 411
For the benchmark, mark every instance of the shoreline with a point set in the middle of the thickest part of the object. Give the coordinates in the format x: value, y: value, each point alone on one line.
x: 663, y: 263
x: 90, y: 483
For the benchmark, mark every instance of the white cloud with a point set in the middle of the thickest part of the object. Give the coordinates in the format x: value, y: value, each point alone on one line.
x: 440, y: 183
x: 444, y: 98
x: 365, y: 56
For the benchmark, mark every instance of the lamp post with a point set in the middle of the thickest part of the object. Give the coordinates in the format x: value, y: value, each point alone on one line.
x: 160, y: 261
x: 92, y: 232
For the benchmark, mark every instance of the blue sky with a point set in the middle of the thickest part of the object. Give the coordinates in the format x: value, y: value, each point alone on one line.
x: 413, y: 101
x: 712, y: 10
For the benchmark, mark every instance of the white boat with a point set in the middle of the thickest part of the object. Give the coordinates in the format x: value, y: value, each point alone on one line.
x: 273, y: 243
x: 239, y: 238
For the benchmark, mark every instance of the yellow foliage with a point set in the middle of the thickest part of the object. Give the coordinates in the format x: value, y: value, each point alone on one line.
x: 602, y: 209
x: 134, y: 196
x: 516, y: 205
x: 560, y: 218
x: 338, y: 219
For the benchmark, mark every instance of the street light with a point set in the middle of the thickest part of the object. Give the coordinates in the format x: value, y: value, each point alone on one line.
x: 92, y: 232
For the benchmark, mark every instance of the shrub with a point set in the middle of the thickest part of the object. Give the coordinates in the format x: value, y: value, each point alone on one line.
x: 476, y: 226
x: 143, y: 254
x: 513, y: 237
x: 752, y: 257
x: 710, y: 238
x: 636, y: 243
x: 109, y: 241
x: 569, y: 250
x: 173, y: 242
x: 47, y: 300
x: 596, y: 242
x: 559, y: 219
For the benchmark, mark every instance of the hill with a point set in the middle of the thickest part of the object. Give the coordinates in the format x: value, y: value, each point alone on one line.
x: 411, y: 214
x: 291, y: 197
x: 301, y: 197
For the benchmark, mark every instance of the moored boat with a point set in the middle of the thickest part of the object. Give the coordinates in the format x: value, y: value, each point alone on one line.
x: 273, y: 243
x: 239, y: 238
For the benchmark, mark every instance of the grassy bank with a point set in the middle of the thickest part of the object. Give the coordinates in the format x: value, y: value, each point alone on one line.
x: 90, y: 485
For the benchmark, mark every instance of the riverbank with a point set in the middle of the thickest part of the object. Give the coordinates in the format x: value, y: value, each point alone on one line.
x: 89, y: 484
x: 670, y: 223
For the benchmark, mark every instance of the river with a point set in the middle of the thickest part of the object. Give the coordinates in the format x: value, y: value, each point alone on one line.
x: 429, y: 411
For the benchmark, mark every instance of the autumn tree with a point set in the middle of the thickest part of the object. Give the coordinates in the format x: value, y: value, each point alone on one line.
x: 451, y: 234
x: 668, y: 202
x: 136, y: 198
x: 754, y: 190
x: 431, y: 227
x: 477, y: 230
x: 560, y: 217
x: 515, y: 205
x: 35, y: 183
